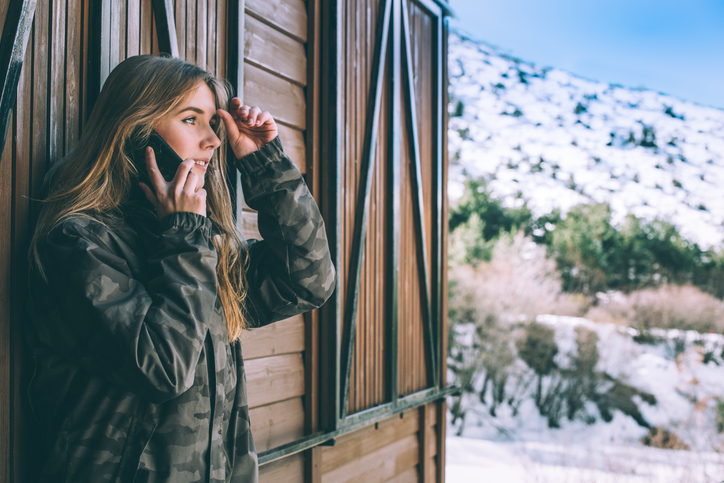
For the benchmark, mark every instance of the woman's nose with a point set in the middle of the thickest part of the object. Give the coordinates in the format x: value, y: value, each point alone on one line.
x: 212, y: 140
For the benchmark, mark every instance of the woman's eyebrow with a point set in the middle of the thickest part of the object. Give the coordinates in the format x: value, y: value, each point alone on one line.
x: 191, y: 108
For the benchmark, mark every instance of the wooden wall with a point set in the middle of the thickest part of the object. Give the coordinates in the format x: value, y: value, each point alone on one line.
x: 281, y: 40
x: 275, y: 76
x: 52, y: 104
x: 369, y: 384
x: 403, y: 448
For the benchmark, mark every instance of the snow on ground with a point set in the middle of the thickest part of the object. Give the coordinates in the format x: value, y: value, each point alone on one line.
x: 480, y: 461
x: 520, y: 447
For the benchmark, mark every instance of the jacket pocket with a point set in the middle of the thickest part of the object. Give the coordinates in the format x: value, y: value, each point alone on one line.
x: 139, y: 434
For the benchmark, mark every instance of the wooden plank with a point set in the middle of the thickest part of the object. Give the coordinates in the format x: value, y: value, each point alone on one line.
x: 155, y: 46
x: 6, y: 416
x: 180, y: 12
x: 221, y: 38
x: 289, y: 16
x: 273, y: 379
x: 133, y: 34
x: 441, y: 435
x: 275, y: 51
x: 369, y: 440
x: 284, y: 100
x: 381, y: 465
x: 146, y: 27
x: 73, y: 80
x: 287, y: 470
x: 283, y: 337
x: 312, y: 465
x: 408, y: 476
x: 57, y: 81
x: 3, y: 14
x: 22, y: 432
x: 191, y: 31
x: 276, y: 424
x: 86, y: 58
x: 115, y: 50
x: 294, y: 145
x: 201, y: 37
x: 122, y: 34
x: 40, y: 93
x: 211, y: 44
x: 423, y: 440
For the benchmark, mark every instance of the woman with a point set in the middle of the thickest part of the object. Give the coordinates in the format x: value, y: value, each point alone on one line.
x: 141, y: 286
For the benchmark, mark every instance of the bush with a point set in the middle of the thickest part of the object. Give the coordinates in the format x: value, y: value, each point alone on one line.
x: 486, y: 303
x: 663, y: 438
x: 666, y: 307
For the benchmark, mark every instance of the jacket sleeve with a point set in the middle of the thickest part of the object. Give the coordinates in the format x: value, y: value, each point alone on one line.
x: 145, y: 337
x: 290, y: 271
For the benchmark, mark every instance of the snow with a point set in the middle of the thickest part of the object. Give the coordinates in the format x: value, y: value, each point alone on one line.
x: 522, y: 448
x: 477, y: 461
x: 577, y: 133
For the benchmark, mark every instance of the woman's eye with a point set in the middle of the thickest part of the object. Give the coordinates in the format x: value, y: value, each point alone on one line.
x: 190, y: 120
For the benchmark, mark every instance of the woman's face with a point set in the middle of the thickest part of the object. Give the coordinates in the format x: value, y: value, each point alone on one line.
x: 189, y: 129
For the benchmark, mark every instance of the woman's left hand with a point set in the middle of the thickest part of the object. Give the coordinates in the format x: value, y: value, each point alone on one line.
x: 248, y: 128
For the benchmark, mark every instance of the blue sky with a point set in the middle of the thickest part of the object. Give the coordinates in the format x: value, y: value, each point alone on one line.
x: 675, y: 47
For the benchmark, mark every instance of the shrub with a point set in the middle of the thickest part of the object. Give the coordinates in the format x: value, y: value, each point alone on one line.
x: 666, y: 307
x: 659, y: 437
x: 537, y: 347
x: 486, y: 303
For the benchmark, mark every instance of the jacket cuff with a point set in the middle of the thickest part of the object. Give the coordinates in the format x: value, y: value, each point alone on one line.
x: 255, y: 163
x: 186, y: 222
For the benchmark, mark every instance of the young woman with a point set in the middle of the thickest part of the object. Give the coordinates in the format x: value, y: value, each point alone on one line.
x: 141, y: 287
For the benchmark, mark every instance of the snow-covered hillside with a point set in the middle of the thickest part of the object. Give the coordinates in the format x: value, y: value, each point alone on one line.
x: 561, y: 140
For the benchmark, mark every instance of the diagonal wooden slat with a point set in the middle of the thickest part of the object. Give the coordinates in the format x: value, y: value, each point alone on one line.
x: 166, y: 27
x: 363, y: 200
x: 393, y: 215
x: 418, y: 203
x: 14, y: 40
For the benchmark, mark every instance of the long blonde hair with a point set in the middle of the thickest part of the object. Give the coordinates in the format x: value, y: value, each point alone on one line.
x: 99, y: 174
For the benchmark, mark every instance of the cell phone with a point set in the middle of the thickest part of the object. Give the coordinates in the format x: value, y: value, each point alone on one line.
x: 166, y: 159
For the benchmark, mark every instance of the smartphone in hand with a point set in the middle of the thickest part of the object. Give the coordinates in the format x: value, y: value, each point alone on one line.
x: 166, y: 159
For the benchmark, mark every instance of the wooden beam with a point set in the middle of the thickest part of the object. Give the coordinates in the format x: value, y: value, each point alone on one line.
x: 418, y: 202
x: 166, y: 27
x: 330, y: 149
x: 393, y: 214
x: 363, y: 198
x: 235, y: 75
x: 439, y: 112
x: 14, y: 40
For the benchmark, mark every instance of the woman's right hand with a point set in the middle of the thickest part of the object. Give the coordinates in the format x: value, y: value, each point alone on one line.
x: 184, y: 193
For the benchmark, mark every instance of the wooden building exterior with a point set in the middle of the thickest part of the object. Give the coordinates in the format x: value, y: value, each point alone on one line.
x: 351, y: 392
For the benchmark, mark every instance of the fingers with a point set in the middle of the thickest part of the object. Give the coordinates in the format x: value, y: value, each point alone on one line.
x: 264, y: 118
x: 228, y: 119
x: 192, y: 184
x: 250, y: 116
x: 152, y: 168
x: 182, y: 174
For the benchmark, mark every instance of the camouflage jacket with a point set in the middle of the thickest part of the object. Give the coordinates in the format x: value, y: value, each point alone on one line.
x: 135, y: 378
